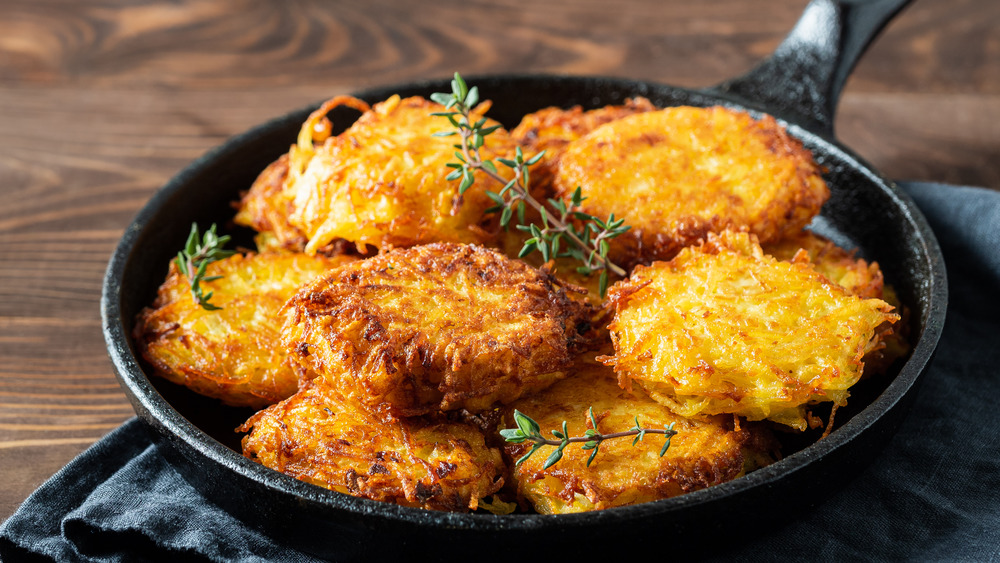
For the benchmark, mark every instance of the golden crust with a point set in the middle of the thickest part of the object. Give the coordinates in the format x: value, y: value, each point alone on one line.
x: 321, y: 437
x: 266, y: 208
x: 857, y: 276
x: 552, y: 129
x: 838, y: 265
x: 679, y: 173
x: 382, y: 182
x: 440, y: 326
x: 894, y: 337
x: 723, y: 328
x: 703, y: 453
x: 233, y: 354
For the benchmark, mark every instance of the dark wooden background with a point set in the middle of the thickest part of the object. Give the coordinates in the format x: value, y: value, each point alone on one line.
x: 101, y: 101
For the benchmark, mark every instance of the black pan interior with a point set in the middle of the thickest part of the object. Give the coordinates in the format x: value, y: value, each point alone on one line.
x: 864, y: 212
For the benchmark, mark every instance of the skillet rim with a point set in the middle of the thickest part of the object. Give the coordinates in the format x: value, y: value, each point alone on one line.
x: 157, y: 413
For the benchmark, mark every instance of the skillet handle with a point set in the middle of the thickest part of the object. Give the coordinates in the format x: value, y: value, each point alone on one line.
x: 801, y: 82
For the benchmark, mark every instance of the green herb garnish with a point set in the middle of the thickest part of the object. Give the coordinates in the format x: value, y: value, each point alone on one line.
x: 557, y: 236
x: 198, y: 253
x: 528, y: 431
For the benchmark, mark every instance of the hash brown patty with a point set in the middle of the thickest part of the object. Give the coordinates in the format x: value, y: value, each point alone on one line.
x: 679, y: 173
x: 724, y: 328
x: 436, y: 327
x: 233, y: 354
x: 322, y: 437
x: 704, y: 452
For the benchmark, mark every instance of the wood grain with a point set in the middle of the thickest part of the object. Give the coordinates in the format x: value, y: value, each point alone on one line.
x: 102, y: 101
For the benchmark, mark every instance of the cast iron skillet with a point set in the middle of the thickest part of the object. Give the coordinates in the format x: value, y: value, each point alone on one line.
x: 799, y: 85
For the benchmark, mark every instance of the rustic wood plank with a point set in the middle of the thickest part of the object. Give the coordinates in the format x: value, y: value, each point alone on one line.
x: 949, y: 138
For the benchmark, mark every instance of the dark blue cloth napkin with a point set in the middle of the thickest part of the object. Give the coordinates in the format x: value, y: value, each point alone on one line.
x: 933, y: 494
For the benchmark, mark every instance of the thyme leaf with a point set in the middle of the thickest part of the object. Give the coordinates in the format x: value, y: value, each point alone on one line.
x: 200, y: 251
x: 529, y: 431
x: 565, y: 230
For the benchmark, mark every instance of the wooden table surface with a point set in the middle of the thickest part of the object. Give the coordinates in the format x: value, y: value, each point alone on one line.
x: 102, y: 101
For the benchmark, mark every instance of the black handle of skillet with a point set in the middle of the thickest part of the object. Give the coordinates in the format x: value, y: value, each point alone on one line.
x: 801, y: 82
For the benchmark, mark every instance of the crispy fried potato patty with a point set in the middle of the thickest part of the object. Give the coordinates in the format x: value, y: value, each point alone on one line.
x: 857, y: 276
x: 840, y: 266
x: 552, y: 129
x: 235, y: 353
x: 266, y: 208
x: 382, y: 182
x: 723, y: 328
x: 323, y: 438
x: 703, y: 453
x: 679, y: 173
x: 440, y: 326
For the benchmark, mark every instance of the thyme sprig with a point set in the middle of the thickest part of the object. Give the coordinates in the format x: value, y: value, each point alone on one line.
x: 198, y: 253
x: 557, y: 236
x: 529, y: 431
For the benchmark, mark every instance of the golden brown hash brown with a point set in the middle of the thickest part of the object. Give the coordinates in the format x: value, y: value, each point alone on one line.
x: 724, y: 328
x: 679, y: 173
x: 266, y: 208
x: 441, y: 326
x: 233, y: 354
x: 551, y: 129
x: 895, y: 337
x: 269, y: 203
x: 703, y: 453
x: 857, y: 276
x: 838, y: 265
x: 382, y: 182
x: 321, y: 437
